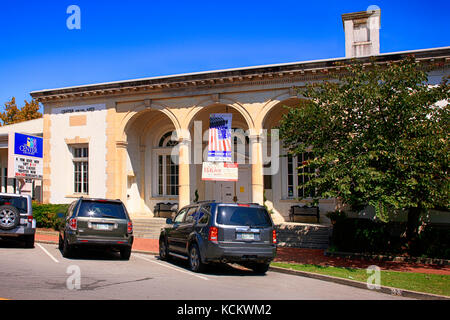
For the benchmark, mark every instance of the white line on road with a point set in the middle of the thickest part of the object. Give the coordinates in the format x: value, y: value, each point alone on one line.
x: 48, y: 253
x: 170, y: 267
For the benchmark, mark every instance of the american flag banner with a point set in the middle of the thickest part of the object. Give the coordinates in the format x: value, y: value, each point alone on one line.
x: 219, y: 147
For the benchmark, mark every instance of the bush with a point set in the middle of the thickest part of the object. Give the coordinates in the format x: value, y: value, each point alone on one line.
x: 46, y: 214
x: 367, y: 236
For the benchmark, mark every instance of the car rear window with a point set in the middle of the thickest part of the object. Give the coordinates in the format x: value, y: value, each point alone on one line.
x: 102, y: 210
x: 243, y: 216
x: 18, y: 202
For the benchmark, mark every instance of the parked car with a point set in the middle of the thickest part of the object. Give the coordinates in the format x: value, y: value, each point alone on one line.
x: 16, y: 218
x: 210, y: 232
x: 96, y: 223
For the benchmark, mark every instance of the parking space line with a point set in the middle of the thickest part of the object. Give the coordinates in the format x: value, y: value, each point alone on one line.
x: 170, y: 267
x: 48, y: 253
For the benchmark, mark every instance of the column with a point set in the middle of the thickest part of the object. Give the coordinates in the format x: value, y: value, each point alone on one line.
x: 121, y: 171
x: 257, y: 169
x: 184, y: 193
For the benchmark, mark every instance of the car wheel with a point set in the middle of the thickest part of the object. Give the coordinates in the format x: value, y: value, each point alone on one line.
x: 195, y: 261
x: 60, y: 242
x: 163, y: 249
x: 67, y: 250
x: 9, y: 217
x: 125, y: 253
x: 260, y: 268
x: 29, y: 241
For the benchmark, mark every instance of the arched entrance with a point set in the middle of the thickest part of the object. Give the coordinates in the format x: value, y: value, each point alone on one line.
x: 151, y: 165
x: 226, y: 191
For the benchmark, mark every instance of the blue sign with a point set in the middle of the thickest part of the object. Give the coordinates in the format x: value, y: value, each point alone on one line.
x: 26, y: 145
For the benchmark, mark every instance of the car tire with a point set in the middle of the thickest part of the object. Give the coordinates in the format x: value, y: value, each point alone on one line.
x: 195, y: 261
x: 9, y: 217
x: 164, y: 249
x: 60, y: 242
x: 125, y: 253
x: 67, y: 250
x: 29, y: 241
x: 260, y: 268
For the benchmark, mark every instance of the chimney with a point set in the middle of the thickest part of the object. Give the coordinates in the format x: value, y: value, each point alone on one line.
x: 362, y: 33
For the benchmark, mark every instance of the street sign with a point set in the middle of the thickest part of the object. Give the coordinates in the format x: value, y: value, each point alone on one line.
x: 25, y: 156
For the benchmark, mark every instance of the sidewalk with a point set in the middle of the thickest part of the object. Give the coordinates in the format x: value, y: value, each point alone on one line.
x: 292, y: 255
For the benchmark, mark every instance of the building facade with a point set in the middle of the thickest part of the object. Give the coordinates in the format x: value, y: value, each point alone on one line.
x: 122, y: 140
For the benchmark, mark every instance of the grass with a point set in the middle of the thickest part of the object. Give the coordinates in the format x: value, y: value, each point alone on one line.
x: 421, y: 282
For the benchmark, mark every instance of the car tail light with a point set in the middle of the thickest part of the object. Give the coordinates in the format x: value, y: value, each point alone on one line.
x: 243, y: 205
x: 213, y: 234
x: 274, y: 236
x: 130, y: 227
x: 30, y: 219
x: 73, y: 224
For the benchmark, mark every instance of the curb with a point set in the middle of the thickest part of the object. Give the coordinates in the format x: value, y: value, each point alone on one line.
x: 362, y: 285
x: 351, y: 255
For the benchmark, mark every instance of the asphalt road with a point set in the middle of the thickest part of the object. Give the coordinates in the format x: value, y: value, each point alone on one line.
x: 42, y: 273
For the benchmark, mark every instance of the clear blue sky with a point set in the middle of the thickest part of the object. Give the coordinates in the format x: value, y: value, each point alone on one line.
x: 122, y: 40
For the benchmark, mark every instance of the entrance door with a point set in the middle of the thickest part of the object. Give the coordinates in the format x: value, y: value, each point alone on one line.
x: 226, y: 191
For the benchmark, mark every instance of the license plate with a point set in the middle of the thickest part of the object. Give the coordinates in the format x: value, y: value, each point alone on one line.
x: 102, y: 226
x: 248, y: 236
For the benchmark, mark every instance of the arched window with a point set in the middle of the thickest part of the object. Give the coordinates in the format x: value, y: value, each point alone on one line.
x: 166, y: 140
x: 167, y: 167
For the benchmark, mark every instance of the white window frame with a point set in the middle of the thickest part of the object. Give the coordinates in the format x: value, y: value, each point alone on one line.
x: 80, y: 160
x: 163, y: 151
x: 285, y: 171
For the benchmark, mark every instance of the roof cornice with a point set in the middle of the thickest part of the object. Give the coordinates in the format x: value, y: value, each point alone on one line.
x: 314, y: 69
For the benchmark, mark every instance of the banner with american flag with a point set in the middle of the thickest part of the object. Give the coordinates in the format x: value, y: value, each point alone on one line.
x: 219, y: 147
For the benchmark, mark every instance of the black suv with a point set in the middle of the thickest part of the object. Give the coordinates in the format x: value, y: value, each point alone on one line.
x: 96, y: 222
x: 220, y: 232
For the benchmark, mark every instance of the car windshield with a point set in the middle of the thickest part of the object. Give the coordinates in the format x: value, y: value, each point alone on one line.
x: 243, y: 216
x: 19, y: 202
x: 102, y: 210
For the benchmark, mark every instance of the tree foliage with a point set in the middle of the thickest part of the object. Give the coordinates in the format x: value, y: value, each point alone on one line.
x: 379, y: 135
x: 13, y: 114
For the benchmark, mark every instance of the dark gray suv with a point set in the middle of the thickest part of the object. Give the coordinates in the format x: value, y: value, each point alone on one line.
x: 220, y: 232
x: 96, y: 223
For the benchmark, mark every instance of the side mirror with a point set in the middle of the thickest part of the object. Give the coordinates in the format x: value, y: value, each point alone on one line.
x: 169, y: 221
x: 60, y: 215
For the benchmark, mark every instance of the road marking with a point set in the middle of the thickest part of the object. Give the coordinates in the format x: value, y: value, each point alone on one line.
x: 170, y: 267
x: 48, y: 253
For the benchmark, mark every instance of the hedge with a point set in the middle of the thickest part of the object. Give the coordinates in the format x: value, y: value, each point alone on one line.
x: 370, y: 237
x: 46, y: 214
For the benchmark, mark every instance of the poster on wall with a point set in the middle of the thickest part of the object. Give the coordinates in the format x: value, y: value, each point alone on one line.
x: 219, y: 146
x: 25, y: 156
x: 220, y: 171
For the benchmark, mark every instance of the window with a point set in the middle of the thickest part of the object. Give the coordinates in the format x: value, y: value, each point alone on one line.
x: 203, y: 215
x: 167, y: 176
x: 180, y: 216
x: 167, y: 167
x: 81, y: 169
x: 295, y: 177
x: 191, y: 216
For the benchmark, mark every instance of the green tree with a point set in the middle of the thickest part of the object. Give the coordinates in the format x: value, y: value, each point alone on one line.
x: 378, y: 136
x: 13, y: 114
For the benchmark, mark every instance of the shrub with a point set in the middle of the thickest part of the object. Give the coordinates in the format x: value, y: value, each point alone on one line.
x: 46, y: 214
x: 376, y: 237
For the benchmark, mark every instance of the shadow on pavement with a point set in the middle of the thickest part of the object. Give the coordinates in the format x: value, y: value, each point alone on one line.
x: 216, y: 269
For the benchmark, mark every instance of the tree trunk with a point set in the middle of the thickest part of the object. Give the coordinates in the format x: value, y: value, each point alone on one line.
x: 412, y: 226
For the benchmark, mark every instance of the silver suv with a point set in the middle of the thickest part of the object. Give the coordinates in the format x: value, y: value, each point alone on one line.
x: 16, y: 218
